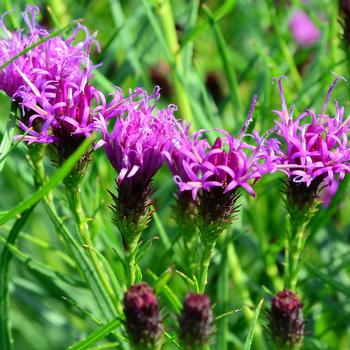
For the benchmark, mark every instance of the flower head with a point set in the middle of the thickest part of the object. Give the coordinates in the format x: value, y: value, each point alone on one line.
x: 303, y: 29
x: 143, y: 320
x: 139, y: 138
x: 227, y: 165
x: 53, y: 60
x: 286, y: 319
x: 313, y: 149
x: 136, y: 148
x: 214, y: 173
x: 196, y: 321
x: 63, y: 114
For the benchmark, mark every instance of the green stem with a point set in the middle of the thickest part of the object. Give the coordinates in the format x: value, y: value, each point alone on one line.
x: 74, y: 199
x: 130, y: 261
x: 204, y: 266
x: 295, y: 254
x: 243, y: 293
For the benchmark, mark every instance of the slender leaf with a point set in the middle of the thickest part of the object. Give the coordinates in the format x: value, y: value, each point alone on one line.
x: 96, y: 336
x: 253, y: 324
x: 5, y: 259
x: 55, y: 180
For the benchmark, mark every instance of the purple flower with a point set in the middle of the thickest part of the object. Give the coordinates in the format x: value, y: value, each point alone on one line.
x: 55, y: 59
x: 303, y: 29
x: 139, y: 138
x: 62, y: 113
x: 313, y: 149
x: 214, y: 173
x: 227, y: 165
x: 286, y: 319
x: 136, y: 148
x: 143, y: 320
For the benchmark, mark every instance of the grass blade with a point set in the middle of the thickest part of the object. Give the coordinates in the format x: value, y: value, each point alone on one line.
x: 55, y: 180
x: 5, y: 259
x: 9, y: 132
x: 96, y: 336
x: 249, y: 339
x: 224, y: 9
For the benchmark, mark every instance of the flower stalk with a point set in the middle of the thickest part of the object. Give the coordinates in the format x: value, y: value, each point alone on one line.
x: 73, y: 194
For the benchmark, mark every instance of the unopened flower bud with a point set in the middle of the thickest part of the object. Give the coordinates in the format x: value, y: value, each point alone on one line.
x: 196, y: 321
x: 286, y: 319
x: 143, y: 320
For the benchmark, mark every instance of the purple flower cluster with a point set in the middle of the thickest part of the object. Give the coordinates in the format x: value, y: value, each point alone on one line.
x: 312, y: 149
x: 228, y: 164
x: 50, y: 84
x: 60, y: 106
x: 140, y: 138
x: 53, y: 60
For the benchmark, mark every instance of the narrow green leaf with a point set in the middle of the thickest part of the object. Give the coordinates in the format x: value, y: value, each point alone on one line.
x: 84, y: 264
x: 40, y: 267
x: 96, y: 336
x: 325, y: 277
x: 55, y: 180
x: 227, y: 64
x: 161, y: 230
x: 168, y: 293
x: 5, y: 259
x: 222, y: 11
x: 9, y: 132
x: 249, y: 339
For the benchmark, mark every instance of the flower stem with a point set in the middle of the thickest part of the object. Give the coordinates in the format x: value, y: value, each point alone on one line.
x: 130, y: 261
x: 74, y: 199
x: 294, y: 247
x: 204, y: 266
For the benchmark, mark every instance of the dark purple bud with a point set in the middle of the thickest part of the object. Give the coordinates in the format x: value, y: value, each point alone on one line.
x: 143, y: 320
x: 196, y: 321
x: 286, y: 319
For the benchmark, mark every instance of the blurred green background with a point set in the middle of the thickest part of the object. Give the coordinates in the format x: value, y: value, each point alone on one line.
x: 210, y: 58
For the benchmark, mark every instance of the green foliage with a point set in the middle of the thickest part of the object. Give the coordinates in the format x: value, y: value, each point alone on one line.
x: 57, y: 297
